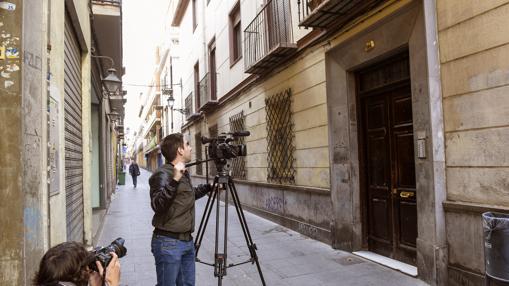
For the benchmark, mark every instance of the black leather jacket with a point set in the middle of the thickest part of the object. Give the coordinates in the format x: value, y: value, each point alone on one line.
x: 172, y: 201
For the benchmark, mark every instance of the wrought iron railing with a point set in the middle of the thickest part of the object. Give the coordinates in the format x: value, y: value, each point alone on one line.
x: 307, y: 7
x: 189, y: 104
x: 151, y: 143
x: 204, y: 85
x: 271, y: 28
x: 207, y: 94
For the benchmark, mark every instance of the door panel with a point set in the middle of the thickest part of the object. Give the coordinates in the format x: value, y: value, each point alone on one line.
x: 387, y: 130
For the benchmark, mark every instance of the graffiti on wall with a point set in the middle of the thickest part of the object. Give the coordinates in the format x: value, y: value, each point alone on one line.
x: 274, y: 204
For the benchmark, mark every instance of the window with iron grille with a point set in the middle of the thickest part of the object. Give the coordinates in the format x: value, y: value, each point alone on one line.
x: 213, y: 132
x: 280, y: 137
x: 237, y: 123
x: 197, y: 142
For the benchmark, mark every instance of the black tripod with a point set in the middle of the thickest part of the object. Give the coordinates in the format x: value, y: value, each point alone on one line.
x: 223, y: 181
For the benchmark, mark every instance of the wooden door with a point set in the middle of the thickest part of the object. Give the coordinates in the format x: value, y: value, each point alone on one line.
x: 389, y: 164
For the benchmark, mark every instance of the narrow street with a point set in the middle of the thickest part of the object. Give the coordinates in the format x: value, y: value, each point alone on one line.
x: 286, y: 257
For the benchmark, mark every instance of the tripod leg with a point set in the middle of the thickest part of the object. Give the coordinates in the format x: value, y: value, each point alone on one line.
x: 245, y: 229
x: 205, y: 217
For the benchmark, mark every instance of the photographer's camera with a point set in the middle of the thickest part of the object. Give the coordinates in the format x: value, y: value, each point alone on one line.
x: 103, y: 254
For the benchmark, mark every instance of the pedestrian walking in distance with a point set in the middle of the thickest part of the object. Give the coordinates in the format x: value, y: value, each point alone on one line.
x: 134, y: 170
x: 172, y: 197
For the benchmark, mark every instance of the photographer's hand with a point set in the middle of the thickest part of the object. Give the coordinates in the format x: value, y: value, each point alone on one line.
x: 112, y: 273
x: 179, y: 171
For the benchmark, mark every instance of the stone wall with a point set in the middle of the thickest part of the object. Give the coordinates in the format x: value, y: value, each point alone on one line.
x: 474, y: 48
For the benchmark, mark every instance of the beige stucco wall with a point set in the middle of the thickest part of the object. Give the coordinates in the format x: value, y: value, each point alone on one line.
x: 474, y: 48
x: 306, y: 79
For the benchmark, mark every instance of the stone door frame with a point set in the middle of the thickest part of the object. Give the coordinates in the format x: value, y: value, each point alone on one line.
x: 412, y: 27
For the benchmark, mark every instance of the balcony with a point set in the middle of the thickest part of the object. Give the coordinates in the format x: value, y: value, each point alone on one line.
x: 268, y: 39
x: 332, y: 13
x: 153, y: 120
x: 207, y: 93
x: 107, y: 27
x: 190, y: 115
x: 150, y: 145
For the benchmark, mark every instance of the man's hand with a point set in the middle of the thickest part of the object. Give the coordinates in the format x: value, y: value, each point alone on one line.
x: 112, y: 273
x: 179, y: 171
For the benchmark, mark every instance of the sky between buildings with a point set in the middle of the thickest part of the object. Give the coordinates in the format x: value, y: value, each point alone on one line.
x: 142, y: 32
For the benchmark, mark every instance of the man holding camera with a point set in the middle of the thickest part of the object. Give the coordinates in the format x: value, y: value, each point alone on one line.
x: 70, y: 264
x: 172, y: 199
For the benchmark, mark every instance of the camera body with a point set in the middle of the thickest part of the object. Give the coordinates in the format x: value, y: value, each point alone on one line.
x: 102, y: 254
x: 223, y: 146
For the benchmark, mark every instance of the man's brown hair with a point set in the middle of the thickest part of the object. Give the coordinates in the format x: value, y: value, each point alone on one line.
x: 170, y: 145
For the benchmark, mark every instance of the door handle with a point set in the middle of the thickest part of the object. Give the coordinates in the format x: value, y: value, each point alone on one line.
x: 406, y: 195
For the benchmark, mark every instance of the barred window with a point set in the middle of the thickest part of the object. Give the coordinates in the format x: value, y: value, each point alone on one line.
x: 213, y: 132
x: 197, y: 140
x: 280, y: 137
x: 237, y: 123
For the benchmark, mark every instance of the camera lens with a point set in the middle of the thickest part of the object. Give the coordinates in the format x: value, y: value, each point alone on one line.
x: 118, y: 247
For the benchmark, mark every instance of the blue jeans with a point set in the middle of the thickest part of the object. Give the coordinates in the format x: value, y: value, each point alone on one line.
x: 175, y: 261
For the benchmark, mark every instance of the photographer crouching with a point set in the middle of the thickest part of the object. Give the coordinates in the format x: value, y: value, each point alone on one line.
x: 172, y: 199
x: 70, y: 264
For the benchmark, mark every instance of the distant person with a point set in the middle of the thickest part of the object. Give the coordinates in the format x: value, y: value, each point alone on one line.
x: 134, y: 170
x: 66, y: 264
x: 172, y: 197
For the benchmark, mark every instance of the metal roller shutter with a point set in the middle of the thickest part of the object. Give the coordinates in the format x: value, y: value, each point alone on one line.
x: 73, y: 136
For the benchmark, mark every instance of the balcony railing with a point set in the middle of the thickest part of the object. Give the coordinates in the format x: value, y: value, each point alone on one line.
x: 332, y: 13
x: 150, y: 145
x: 207, y: 100
x: 268, y: 39
x: 153, y: 118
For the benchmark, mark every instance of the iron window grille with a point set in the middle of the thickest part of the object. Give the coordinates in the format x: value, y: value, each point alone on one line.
x: 237, y: 123
x: 197, y: 140
x: 280, y: 138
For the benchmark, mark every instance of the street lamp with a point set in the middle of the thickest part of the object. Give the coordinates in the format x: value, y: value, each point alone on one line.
x: 114, y: 116
x: 171, y: 103
x: 111, y: 81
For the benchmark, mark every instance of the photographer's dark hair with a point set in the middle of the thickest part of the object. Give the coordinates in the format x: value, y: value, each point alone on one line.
x: 170, y: 145
x: 64, y: 262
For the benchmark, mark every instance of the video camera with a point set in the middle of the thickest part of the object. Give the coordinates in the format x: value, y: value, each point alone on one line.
x: 102, y: 254
x: 223, y: 146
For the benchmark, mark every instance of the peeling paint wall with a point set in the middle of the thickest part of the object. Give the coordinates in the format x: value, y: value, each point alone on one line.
x: 11, y: 166
x: 34, y: 135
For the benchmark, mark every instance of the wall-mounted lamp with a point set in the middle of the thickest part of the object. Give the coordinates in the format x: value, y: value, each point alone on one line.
x: 111, y: 81
x: 171, y: 103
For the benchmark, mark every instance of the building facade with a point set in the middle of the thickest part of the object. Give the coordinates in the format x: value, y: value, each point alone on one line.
x: 54, y: 122
x: 371, y: 128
